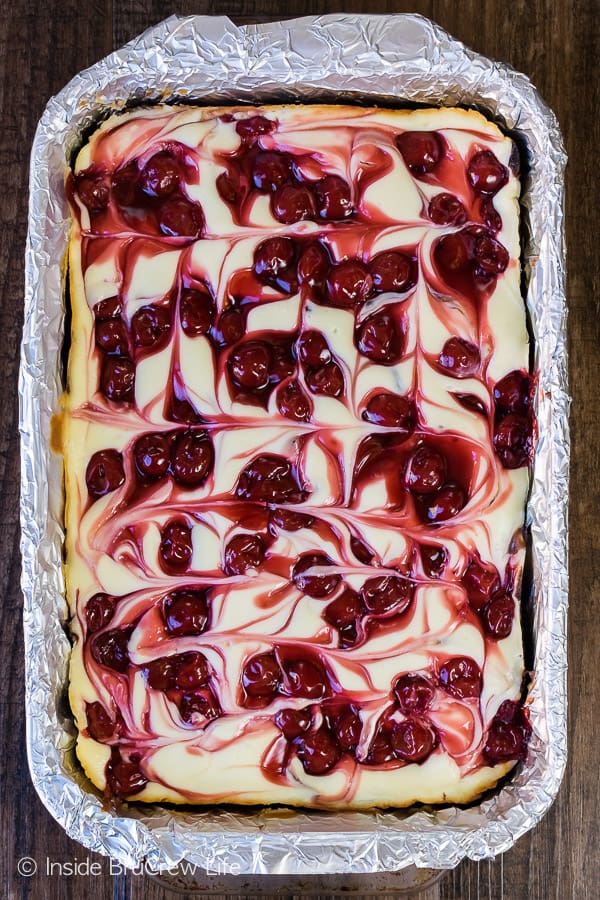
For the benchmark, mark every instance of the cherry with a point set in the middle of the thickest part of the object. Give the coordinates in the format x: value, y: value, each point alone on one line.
x: 99, y: 610
x: 231, y: 326
x: 196, y: 311
x: 151, y: 454
x: 293, y: 403
x: 391, y: 411
x: 426, y: 470
x: 348, y: 728
x: 249, y: 365
x: 293, y: 722
x: 486, y: 173
x: 433, y: 559
x: 176, y: 544
x: 104, y: 472
x: 498, y: 615
x: 283, y: 362
x: 292, y: 203
x: 446, y: 209
x: 93, y: 190
x: 111, y: 336
x: 445, y: 503
x: 380, y: 340
x: 348, y: 283
x: 111, y: 649
x: 504, y: 743
x: 344, y: 610
x: 160, y: 176
x: 314, y: 585
x: 243, y: 552
x: 414, y: 693
x: 110, y: 308
x: 313, y: 349
x: 271, y: 479
x: 422, y: 150
x: 179, y: 409
x: 125, y: 184
x: 100, y: 726
x: 481, y: 581
x: 272, y: 257
x: 229, y: 186
x: 334, y: 199
x: 305, y: 679
x: 492, y: 257
x: 460, y: 358
x: 511, y: 393
x: 199, y: 705
x: 391, y: 271
x: 271, y: 170
x: 191, y: 671
x: 192, y: 458
x: 452, y: 253
x: 251, y: 128
x: 490, y: 214
x: 160, y: 673
x: 380, y: 594
x: 513, y: 441
x: 117, y: 379
x: 326, y: 380
x: 460, y: 676
x: 150, y: 326
x: 261, y: 677
x: 123, y: 777
x: 313, y: 265
x: 185, y: 613
x: 179, y: 217
x: 413, y: 740
x: 318, y: 751
x: 288, y: 520
x: 380, y: 749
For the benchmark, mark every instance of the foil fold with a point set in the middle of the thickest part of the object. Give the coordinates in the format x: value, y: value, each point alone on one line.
x: 393, y: 60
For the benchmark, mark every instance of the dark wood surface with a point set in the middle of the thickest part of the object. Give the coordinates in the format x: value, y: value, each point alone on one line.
x: 43, y: 44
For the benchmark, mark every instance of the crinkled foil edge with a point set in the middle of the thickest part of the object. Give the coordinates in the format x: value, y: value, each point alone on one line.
x: 391, y: 59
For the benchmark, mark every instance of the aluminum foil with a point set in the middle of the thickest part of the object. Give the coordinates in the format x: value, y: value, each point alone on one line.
x: 391, y: 59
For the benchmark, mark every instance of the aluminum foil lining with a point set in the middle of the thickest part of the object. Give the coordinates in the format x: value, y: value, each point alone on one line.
x: 387, y: 59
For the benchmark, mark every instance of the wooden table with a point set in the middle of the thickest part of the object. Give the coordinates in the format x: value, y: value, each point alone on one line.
x: 556, y: 43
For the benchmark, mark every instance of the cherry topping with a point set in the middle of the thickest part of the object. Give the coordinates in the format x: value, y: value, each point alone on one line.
x: 380, y: 594
x: 261, y: 677
x: 191, y: 671
x: 504, y: 743
x: 231, y: 326
x: 249, y: 365
x: 289, y: 520
x: 313, y: 349
x: 160, y: 673
x: 471, y: 402
x: 99, y: 610
x: 446, y: 209
x: 150, y: 326
x: 414, y: 693
x: 426, y: 470
x: 111, y: 649
x: 93, y: 190
x: 459, y: 357
x: 445, y: 504
x: 244, y: 551
x: 361, y: 551
x: 413, y: 740
x: 192, y: 458
x: 292, y: 203
x: 272, y: 257
x: 460, y: 676
x: 490, y: 214
x: 230, y: 187
x: 160, y: 176
x: 334, y: 200
x: 151, y: 453
x: 111, y: 336
x: 305, y: 679
x: 348, y: 283
x: 314, y: 585
x: 185, y: 613
x: 486, y: 173
x: 293, y: 403
x: 108, y: 309
x: 390, y: 410
x: 513, y: 441
x: 511, y: 393
x: 271, y: 479
x: 293, y: 722
x: 327, y: 380
x: 318, y: 752
x: 196, y: 311
x: 176, y: 544
x: 99, y: 723
x: 452, y: 253
x: 179, y: 217
x: 249, y: 129
x: 481, y: 581
x: 433, y: 560
x: 422, y: 150
x: 271, y: 170
x: 117, y: 379
x: 347, y: 730
x: 199, y: 705
x: 123, y: 777
x: 125, y: 184
x: 104, y: 472
x: 344, y: 610
x: 391, y: 271
x: 498, y: 616
x: 380, y: 340
x: 492, y: 257
x: 380, y: 749
x: 313, y: 265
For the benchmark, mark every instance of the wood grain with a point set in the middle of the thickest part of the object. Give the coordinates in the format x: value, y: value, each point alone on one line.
x: 42, y: 45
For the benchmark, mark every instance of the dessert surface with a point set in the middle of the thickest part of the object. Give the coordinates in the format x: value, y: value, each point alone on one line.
x: 297, y: 443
